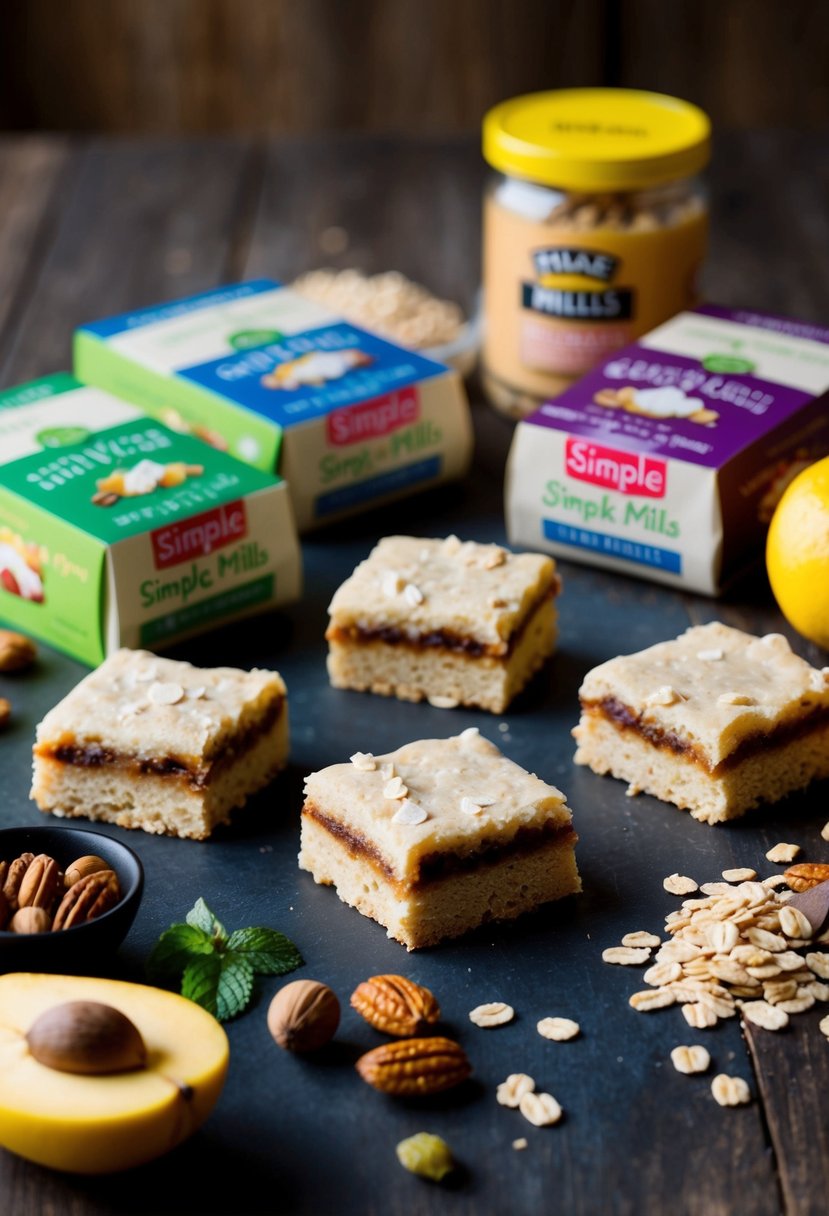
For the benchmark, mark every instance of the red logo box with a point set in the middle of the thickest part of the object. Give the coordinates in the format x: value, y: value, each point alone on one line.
x: 372, y: 419
x: 626, y: 472
x: 199, y: 535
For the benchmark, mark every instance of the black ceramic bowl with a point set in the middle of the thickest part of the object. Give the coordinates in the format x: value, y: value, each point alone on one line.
x: 81, y: 948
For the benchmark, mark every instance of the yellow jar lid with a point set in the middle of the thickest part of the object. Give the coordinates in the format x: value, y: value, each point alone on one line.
x: 597, y: 139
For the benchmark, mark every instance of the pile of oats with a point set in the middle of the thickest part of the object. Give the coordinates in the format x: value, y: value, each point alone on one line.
x: 737, y: 948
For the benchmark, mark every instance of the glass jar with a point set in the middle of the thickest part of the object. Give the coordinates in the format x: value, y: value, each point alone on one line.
x: 595, y: 228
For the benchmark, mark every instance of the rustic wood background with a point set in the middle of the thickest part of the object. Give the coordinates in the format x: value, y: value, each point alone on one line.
x: 415, y: 66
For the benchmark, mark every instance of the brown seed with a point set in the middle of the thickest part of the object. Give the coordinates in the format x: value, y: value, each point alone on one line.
x: 304, y: 1016
x: 86, y: 1037
x: 16, y: 651
x: 411, y: 1067
x: 31, y: 920
x: 395, y: 1005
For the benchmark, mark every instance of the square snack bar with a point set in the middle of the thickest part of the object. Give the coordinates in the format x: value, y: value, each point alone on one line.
x: 715, y: 721
x: 152, y: 743
x: 455, y: 623
x: 438, y: 837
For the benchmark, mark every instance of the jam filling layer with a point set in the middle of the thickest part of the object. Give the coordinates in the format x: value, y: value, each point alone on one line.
x: 98, y: 755
x: 443, y: 639
x: 626, y: 719
x: 435, y: 867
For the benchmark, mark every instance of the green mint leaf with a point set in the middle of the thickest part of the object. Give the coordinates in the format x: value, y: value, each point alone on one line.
x: 268, y: 951
x: 235, y: 986
x: 200, y: 917
x: 200, y: 982
x: 175, y: 948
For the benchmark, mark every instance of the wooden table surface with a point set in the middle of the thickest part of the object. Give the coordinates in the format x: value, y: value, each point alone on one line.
x: 92, y: 228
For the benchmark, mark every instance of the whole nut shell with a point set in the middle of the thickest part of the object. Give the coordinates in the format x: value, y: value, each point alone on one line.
x: 83, y: 867
x: 31, y: 920
x: 16, y: 651
x: 304, y: 1016
x: 88, y: 898
x: 14, y: 877
x: 415, y: 1066
x: 40, y: 883
x: 395, y: 1005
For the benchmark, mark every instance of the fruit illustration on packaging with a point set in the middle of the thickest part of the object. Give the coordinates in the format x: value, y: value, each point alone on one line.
x: 143, y: 478
x: 797, y: 553
x: 21, y: 567
x: 101, y: 1075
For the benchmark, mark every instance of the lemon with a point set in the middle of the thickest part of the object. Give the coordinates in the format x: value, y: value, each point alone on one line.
x: 797, y: 553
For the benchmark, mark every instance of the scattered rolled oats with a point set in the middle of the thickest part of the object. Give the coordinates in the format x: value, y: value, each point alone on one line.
x: 651, y: 998
x: 817, y: 961
x: 641, y: 938
x: 165, y: 693
x: 664, y: 696
x: 663, y: 973
x: 470, y: 807
x: 558, y: 1029
x: 410, y: 813
x: 511, y: 1091
x: 700, y: 1016
x: 823, y: 1026
x: 443, y: 702
x: 625, y: 956
x: 678, y: 884
x: 739, y: 875
x: 496, y: 1013
x: 723, y: 936
x: 520, y: 1143
x: 690, y: 1059
x: 783, y: 853
x: 412, y: 595
x: 824, y: 832
x: 735, y: 698
x: 775, y: 880
x: 542, y: 1110
x: 364, y: 761
x: 797, y: 1004
x: 730, y: 1091
x: 395, y: 789
x: 819, y: 991
x: 795, y: 924
x: 769, y: 1017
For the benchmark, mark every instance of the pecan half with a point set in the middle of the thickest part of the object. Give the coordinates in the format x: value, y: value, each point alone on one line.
x: 806, y: 875
x: 415, y: 1066
x: 395, y: 1005
x: 88, y: 898
x: 16, y: 651
x: 40, y: 884
x: 14, y: 877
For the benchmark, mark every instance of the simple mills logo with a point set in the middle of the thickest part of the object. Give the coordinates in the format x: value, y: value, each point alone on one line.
x: 627, y: 472
x: 374, y: 418
x: 199, y: 535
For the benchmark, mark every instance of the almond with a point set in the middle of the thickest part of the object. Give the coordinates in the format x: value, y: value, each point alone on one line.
x: 412, y: 1067
x: 16, y: 651
x: 395, y: 1005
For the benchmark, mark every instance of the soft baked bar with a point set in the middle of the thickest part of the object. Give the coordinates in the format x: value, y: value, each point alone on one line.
x: 454, y: 623
x: 153, y: 743
x: 438, y: 837
x: 715, y: 721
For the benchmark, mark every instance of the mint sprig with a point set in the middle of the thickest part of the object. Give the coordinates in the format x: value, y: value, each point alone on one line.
x: 216, y: 969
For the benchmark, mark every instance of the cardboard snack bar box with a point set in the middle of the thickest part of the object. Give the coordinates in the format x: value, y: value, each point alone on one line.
x: 668, y: 459
x: 349, y: 419
x: 117, y: 531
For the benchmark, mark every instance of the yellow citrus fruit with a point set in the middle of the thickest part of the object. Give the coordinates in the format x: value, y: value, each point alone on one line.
x: 797, y: 553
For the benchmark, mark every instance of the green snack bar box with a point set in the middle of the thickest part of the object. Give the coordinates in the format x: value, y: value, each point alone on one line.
x: 255, y: 369
x: 117, y: 531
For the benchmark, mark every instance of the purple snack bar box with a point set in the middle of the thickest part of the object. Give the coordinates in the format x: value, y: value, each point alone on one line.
x: 668, y: 459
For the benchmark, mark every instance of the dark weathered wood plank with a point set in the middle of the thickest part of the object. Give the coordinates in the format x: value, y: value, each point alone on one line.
x: 139, y: 223
x: 33, y: 173
x: 792, y: 1077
